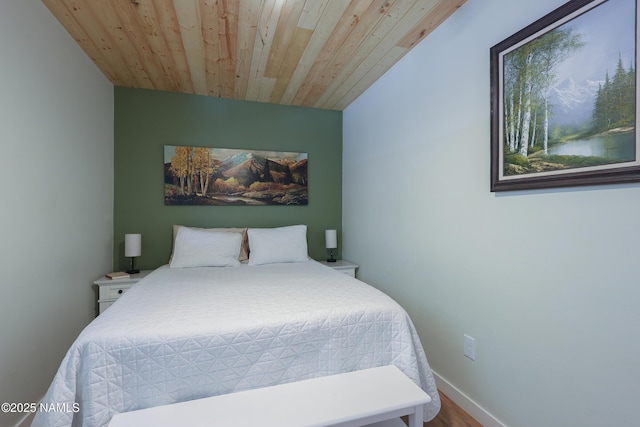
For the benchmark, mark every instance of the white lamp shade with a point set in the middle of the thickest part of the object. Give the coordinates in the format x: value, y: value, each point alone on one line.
x: 132, y: 245
x: 331, y: 239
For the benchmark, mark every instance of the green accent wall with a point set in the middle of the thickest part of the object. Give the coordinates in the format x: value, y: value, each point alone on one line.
x: 146, y: 121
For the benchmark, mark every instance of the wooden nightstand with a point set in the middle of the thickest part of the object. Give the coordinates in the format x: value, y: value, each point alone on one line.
x: 342, y: 266
x: 112, y: 289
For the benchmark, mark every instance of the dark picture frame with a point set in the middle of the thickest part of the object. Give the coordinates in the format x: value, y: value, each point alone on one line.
x: 539, y: 142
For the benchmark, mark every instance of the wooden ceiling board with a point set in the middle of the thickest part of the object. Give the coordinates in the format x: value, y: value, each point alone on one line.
x: 189, y: 20
x: 430, y: 20
x: 323, y: 29
x: 313, y: 53
x: 259, y: 87
x: 353, y: 44
x: 228, y: 27
x: 317, y: 75
x: 103, y: 24
x: 70, y: 23
x: 215, y: 54
x: 378, y: 50
x: 374, y: 45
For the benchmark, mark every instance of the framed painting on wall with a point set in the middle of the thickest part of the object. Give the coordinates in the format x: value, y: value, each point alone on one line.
x: 221, y: 176
x: 563, y: 99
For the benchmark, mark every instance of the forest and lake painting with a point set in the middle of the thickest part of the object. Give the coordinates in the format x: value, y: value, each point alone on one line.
x: 568, y: 96
x: 219, y: 176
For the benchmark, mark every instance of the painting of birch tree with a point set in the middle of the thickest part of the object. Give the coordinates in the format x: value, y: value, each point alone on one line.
x: 568, y: 95
x: 218, y: 176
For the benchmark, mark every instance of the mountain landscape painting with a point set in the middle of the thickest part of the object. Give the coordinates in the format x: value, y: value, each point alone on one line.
x: 220, y: 176
x: 568, y: 94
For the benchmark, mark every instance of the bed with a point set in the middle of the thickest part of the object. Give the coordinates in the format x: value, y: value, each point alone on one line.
x: 187, y: 333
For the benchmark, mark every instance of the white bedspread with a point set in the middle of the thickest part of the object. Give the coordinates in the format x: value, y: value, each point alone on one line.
x: 182, y: 334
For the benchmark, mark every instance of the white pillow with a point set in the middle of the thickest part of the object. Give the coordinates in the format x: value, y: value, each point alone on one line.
x: 244, y: 248
x: 198, y: 248
x: 282, y: 244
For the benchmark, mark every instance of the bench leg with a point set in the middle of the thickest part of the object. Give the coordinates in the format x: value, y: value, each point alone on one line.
x: 415, y: 419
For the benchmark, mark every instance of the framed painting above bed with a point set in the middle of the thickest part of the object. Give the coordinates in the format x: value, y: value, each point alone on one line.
x: 221, y: 176
x: 563, y: 99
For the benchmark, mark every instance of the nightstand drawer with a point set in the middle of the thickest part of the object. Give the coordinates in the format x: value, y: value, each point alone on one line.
x: 109, y: 290
x: 349, y: 271
x: 343, y: 266
x: 114, y: 291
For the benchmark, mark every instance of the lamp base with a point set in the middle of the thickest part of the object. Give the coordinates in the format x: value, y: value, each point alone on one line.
x: 331, y: 258
x: 133, y: 269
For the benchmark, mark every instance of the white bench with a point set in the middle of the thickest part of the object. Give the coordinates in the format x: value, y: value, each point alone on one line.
x: 353, y: 399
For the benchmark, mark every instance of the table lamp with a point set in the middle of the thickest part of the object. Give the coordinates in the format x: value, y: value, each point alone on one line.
x: 133, y: 249
x: 331, y: 240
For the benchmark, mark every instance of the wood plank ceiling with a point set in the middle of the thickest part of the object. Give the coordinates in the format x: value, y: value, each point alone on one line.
x: 313, y: 53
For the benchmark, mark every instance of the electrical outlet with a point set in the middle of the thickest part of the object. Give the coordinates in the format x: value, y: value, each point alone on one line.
x: 469, y: 347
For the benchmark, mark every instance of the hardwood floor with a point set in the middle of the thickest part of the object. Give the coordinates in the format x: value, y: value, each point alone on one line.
x: 451, y: 415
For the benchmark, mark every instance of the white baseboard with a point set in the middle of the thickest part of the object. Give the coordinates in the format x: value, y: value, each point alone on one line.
x: 26, y: 420
x: 472, y: 408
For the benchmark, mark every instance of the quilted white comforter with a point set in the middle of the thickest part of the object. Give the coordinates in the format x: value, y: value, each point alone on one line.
x: 182, y: 334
